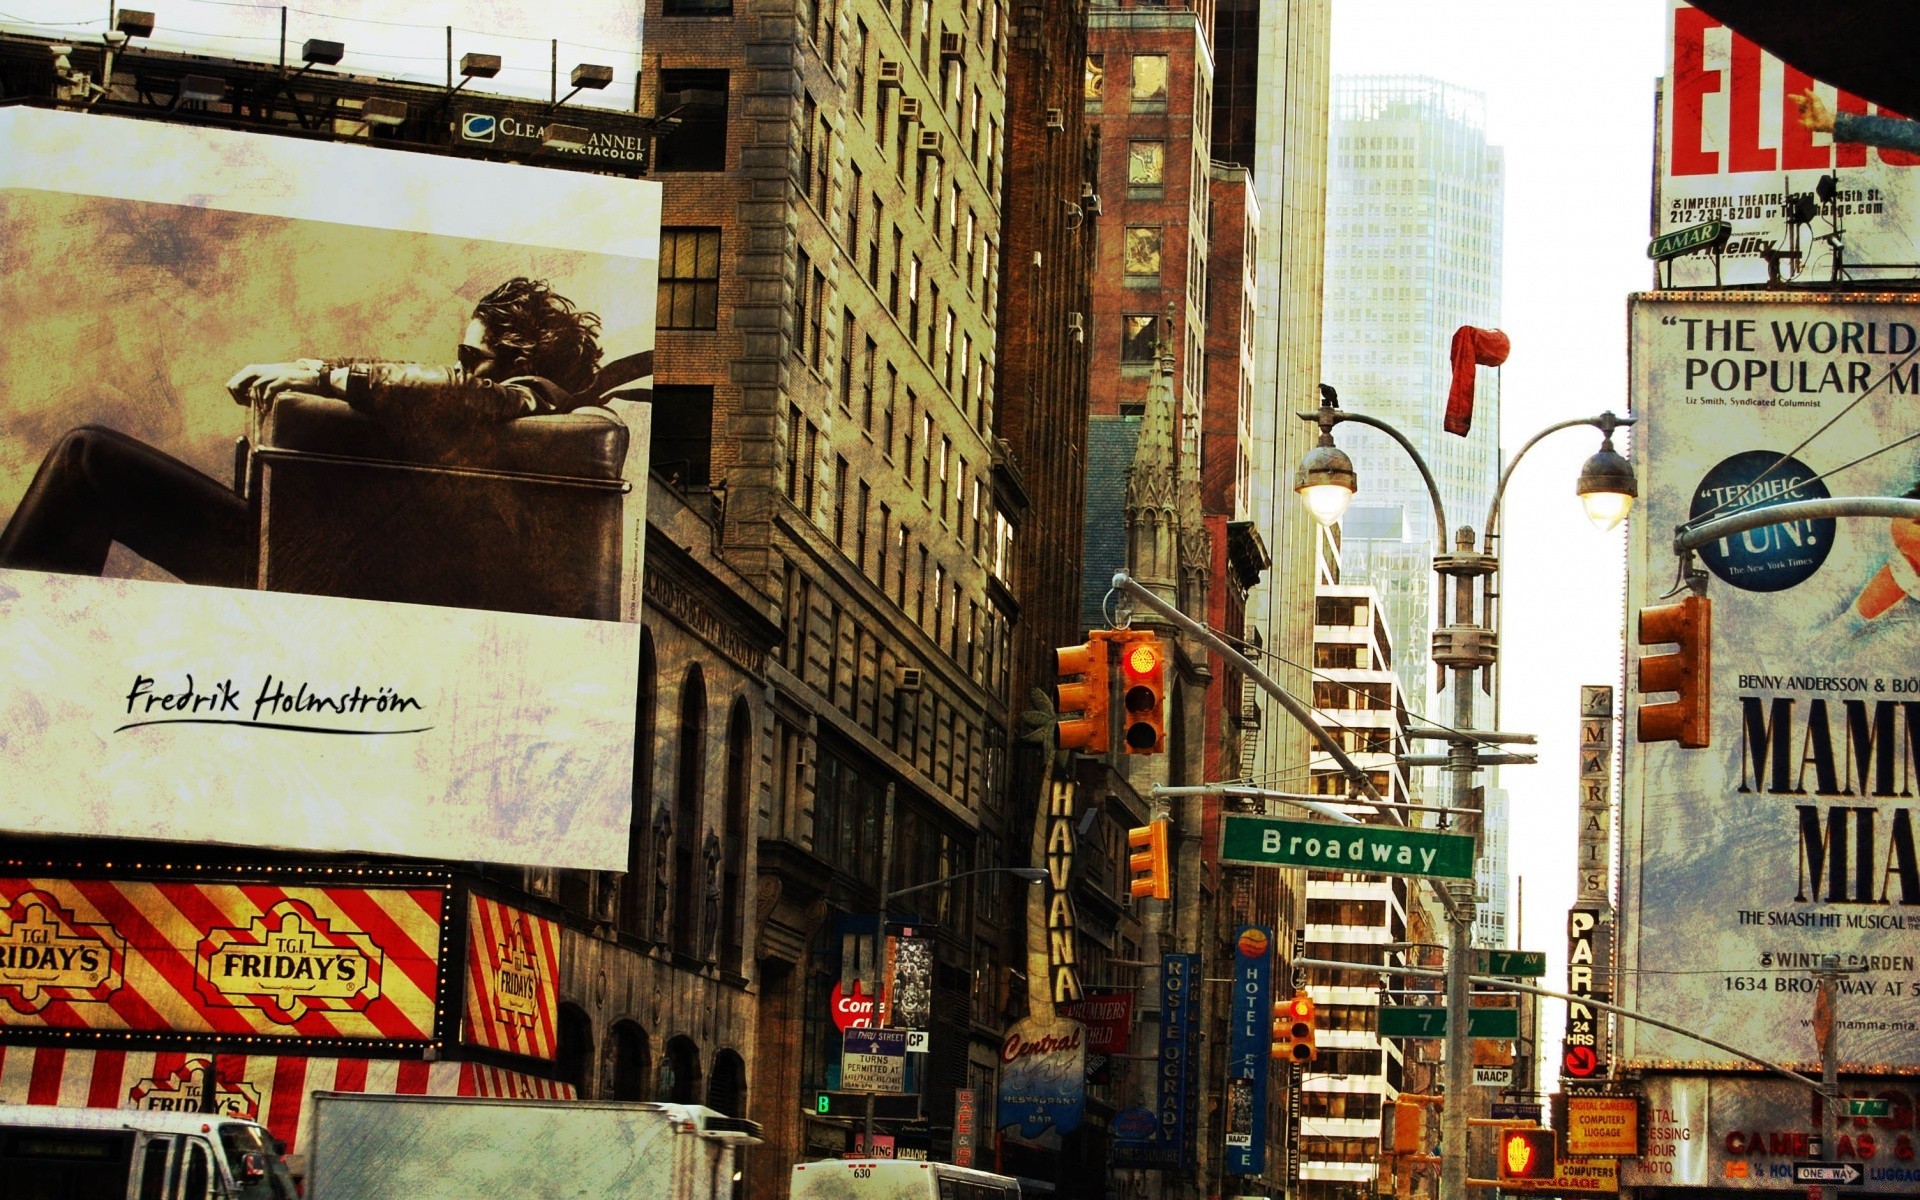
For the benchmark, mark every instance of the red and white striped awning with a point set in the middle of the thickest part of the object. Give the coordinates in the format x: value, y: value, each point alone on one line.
x: 275, y: 1091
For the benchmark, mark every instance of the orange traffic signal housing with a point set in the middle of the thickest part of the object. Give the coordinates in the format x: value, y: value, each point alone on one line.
x: 1143, y: 687
x: 1527, y: 1153
x: 1686, y: 672
x: 1148, y: 861
x: 1082, y: 688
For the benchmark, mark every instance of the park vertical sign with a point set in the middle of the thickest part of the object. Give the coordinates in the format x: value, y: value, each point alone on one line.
x: 1791, y: 835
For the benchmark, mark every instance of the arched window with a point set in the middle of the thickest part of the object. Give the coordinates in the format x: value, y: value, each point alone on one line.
x: 631, y: 1063
x: 636, y: 884
x: 688, y: 791
x: 573, y: 1049
x: 679, y: 1072
x: 733, y: 881
x: 727, y: 1086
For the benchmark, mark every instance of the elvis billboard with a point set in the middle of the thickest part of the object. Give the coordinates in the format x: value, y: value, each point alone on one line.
x: 322, y: 480
x: 1731, y: 148
x: 1790, y: 836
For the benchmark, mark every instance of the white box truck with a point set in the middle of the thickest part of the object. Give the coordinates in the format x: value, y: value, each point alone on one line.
x: 365, y: 1146
x: 60, y: 1153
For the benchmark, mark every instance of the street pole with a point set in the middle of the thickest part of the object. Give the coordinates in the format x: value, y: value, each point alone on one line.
x: 1461, y: 656
x: 1829, y: 977
x: 880, y: 941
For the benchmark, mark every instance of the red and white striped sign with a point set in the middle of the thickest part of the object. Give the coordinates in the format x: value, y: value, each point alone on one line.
x: 513, y: 963
x: 220, y: 958
x: 275, y: 1091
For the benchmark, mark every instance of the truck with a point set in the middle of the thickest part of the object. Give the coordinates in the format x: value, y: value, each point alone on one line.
x: 52, y: 1152
x: 366, y: 1146
x: 897, y: 1179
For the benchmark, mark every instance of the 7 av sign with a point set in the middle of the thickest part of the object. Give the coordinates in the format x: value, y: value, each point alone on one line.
x: 1380, y: 849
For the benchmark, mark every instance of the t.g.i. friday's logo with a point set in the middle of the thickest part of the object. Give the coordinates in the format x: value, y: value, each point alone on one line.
x: 47, y: 954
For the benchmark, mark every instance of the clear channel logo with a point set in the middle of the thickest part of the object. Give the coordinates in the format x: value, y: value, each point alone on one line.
x: 479, y: 127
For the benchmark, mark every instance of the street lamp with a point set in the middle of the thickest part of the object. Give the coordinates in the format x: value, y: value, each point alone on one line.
x: 1464, y: 644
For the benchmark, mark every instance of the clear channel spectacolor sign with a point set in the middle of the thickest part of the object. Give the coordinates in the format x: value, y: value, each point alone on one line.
x: 1382, y: 849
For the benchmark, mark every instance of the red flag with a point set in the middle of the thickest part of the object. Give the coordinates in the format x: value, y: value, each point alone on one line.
x: 1471, y: 348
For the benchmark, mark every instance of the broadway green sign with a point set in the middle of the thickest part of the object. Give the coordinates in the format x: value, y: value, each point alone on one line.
x: 1380, y: 849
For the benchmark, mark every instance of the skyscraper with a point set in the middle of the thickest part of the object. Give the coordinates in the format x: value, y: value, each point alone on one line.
x: 1414, y: 210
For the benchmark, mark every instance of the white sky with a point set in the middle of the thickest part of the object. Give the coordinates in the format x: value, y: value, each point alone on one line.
x: 1569, y: 94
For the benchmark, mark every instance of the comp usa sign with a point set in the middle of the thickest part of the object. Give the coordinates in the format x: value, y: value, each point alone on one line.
x: 1791, y: 836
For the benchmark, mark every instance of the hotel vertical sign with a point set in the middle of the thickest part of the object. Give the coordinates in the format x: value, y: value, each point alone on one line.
x: 1249, y: 1041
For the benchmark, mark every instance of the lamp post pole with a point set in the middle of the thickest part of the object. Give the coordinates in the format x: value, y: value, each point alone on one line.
x: 1031, y: 875
x: 1464, y: 643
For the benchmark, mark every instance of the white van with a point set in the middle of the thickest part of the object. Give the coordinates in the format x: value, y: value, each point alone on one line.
x: 897, y: 1179
x: 53, y: 1153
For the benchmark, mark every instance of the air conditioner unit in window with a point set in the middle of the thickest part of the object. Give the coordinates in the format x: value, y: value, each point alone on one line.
x: 891, y: 73
x: 1089, y: 202
x: 912, y: 679
x: 1056, y: 119
x: 909, y: 108
x: 951, y: 46
x: 1077, y: 326
x: 933, y: 142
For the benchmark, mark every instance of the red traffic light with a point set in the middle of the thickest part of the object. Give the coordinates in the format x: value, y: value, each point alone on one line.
x: 1143, y: 678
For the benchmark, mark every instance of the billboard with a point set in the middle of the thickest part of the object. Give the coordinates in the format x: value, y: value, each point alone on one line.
x: 320, y: 964
x: 398, y: 618
x: 1732, y: 149
x: 1747, y: 1134
x: 1791, y: 835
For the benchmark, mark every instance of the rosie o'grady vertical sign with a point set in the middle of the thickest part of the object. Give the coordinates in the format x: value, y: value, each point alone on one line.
x: 1248, y: 1045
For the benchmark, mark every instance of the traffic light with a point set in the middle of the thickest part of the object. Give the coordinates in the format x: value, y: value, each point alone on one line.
x: 1143, y: 684
x: 1086, y: 696
x: 1148, y: 861
x: 1293, y: 1029
x: 1687, y: 671
x: 1527, y: 1153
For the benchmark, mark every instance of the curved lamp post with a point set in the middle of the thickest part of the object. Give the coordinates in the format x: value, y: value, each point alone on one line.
x: 1031, y: 875
x: 1326, y: 482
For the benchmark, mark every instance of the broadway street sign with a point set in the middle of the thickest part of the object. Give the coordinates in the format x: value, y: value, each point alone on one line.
x: 1379, y: 849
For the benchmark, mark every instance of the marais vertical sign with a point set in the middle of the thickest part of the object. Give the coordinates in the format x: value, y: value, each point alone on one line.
x: 1248, y: 1043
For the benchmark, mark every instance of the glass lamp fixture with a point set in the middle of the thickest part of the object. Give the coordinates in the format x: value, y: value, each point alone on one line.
x: 1607, y: 486
x: 1326, y: 480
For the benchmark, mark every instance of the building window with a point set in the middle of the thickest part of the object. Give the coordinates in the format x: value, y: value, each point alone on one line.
x: 689, y: 789
x: 733, y: 883
x: 683, y: 433
x: 689, y: 278
x: 1143, y: 250
x: 1149, y: 77
x: 1096, y: 77
x: 695, y: 8
x: 1138, y: 337
x: 846, y: 360
x: 699, y: 142
x: 1146, y: 164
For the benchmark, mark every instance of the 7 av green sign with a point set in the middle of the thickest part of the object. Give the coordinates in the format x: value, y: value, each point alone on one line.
x: 1380, y: 849
x: 1510, y: 963
x: 1406, y: 1021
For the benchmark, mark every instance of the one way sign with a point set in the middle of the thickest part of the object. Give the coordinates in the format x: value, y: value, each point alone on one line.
x: 1842, y: 1173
